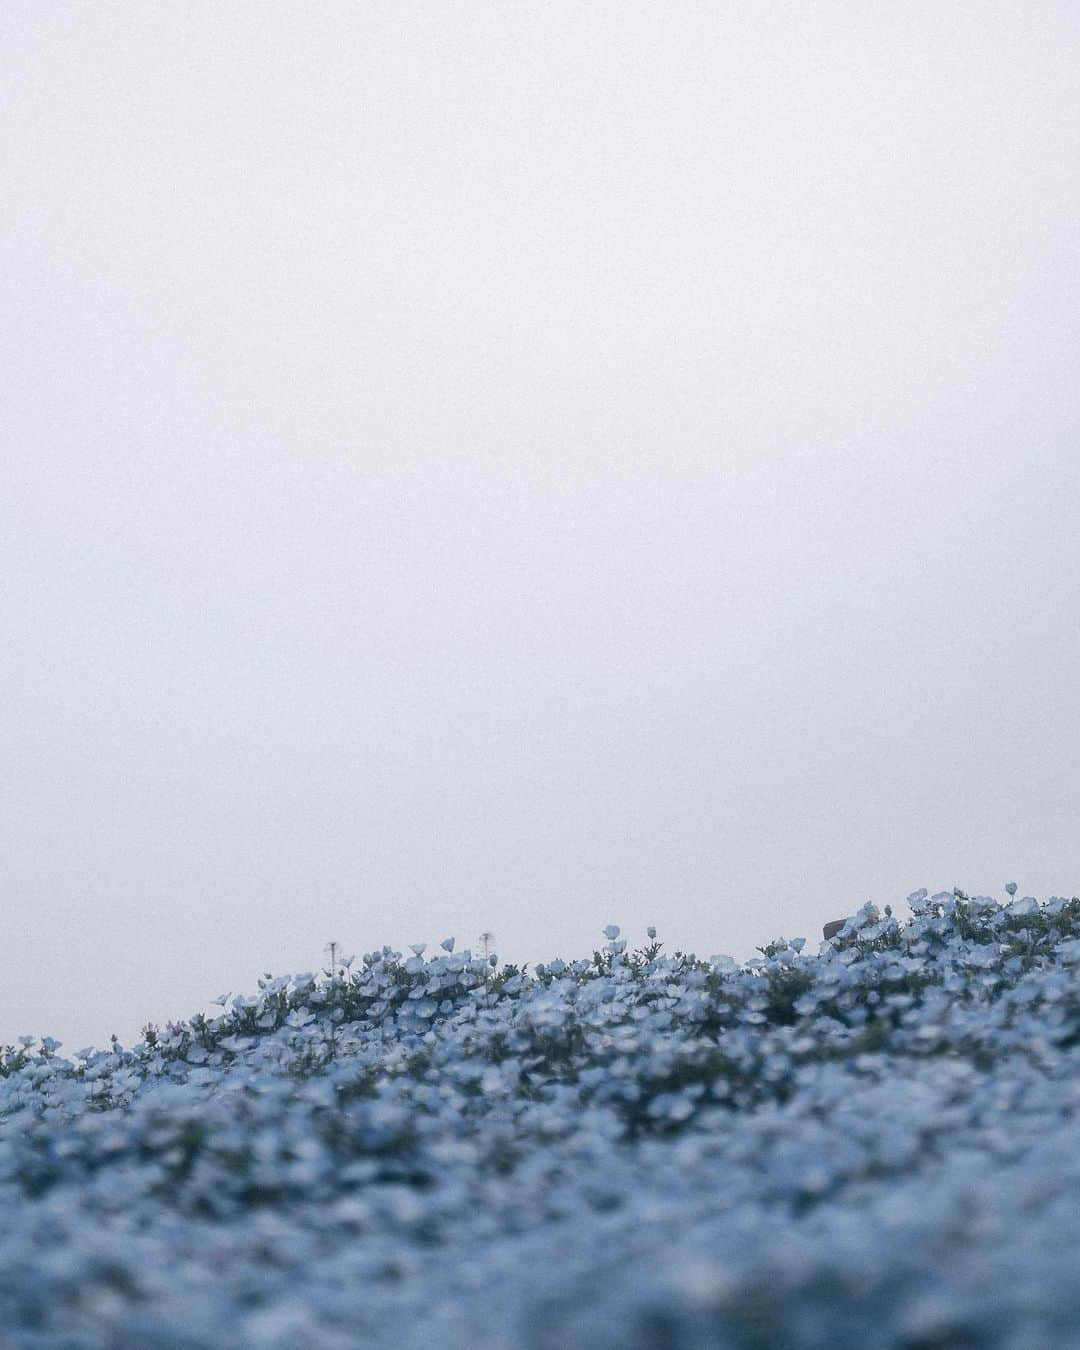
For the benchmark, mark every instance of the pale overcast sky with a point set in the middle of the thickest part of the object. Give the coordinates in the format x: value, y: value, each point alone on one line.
x: 525, y: 466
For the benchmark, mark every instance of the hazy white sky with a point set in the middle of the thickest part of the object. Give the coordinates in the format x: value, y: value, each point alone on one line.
x: 525, y: 466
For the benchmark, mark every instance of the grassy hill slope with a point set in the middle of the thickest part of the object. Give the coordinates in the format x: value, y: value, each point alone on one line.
x: 877, y: 1144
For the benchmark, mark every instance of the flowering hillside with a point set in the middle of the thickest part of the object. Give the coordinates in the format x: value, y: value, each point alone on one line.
x: 874, y: 1146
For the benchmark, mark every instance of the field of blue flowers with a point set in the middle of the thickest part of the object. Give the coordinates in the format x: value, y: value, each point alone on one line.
x: 876, y: 1144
